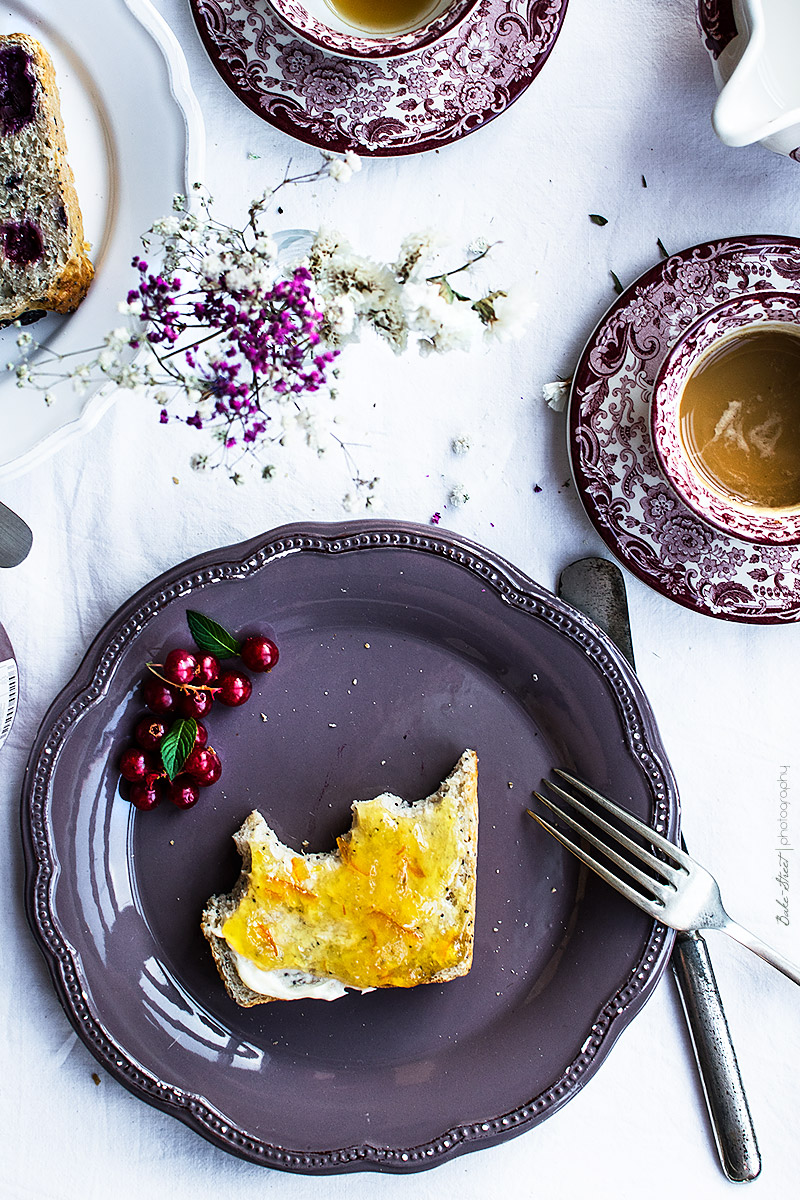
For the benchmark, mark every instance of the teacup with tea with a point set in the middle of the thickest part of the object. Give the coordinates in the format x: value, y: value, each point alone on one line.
x: 372, y: 29
x: 725, y: 416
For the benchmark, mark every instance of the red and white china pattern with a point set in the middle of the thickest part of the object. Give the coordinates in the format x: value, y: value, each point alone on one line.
x: 352, y: 45
x: 392, y: 107
x: 640, y: 517
x: 735, y: 316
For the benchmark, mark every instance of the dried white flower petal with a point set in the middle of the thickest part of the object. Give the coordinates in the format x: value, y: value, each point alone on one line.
x: 556, y: 394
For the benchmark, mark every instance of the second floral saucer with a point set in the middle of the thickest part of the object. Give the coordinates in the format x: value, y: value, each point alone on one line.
x: 383, y: 108
x: 641, y: 519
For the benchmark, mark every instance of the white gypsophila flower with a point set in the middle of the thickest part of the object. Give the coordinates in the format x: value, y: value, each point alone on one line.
x: 130, y: 308
x: 349, y: 502
x: 167, y: 226
x: 193, y: 395
x: 303, y: 422
x: 212, y: 267
x: 24, y: 340
x: 128, y: 376
x: 556, y: 394
x: 49, y: 399
x: 265, y: 247
x: 460, y: 445
x: 198, y: 462
x: 80, y: 378
x: 458, y: 495
x: 514, y: 309
x: 161, y: 398
x: 178, y: 202
x: 352, y: 160
x: 118, y: 339
x: 340, y: 170
x: 107, y: 360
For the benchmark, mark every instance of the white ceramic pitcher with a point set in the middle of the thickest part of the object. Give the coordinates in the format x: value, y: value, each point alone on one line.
x: 759, y: 72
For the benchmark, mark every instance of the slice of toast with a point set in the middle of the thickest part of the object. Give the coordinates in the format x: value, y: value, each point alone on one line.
x: 392, y: 906
x: 44, y: 263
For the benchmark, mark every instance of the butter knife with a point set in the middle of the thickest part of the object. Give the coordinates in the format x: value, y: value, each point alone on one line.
x: 596, y: 587
x: 15, y: 538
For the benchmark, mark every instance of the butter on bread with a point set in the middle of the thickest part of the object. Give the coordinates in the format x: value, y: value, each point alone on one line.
x: 44, y: 262
x: 392, y: 906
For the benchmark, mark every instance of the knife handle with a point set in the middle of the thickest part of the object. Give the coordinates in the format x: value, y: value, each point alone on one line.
x: 716, y: 1058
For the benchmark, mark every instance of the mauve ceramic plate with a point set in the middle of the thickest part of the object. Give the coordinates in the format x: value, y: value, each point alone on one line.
x: 638, y: 514
x: 396, y: 106
x: 400, y: 645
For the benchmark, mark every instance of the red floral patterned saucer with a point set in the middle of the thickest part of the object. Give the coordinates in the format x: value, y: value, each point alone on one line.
x: 639, y: 516
x: 388, y: 108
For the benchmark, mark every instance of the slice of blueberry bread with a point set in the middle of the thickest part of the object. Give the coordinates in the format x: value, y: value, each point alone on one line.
x: 43, y: 256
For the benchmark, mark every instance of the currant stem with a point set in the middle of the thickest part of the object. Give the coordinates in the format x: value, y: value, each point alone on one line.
x: 181, y: 687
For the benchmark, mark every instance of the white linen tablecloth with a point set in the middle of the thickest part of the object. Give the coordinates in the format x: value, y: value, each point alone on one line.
x: 628, y: 91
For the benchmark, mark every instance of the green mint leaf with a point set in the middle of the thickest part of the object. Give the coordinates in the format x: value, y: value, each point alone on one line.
x: 177, y: 745
x: 596, y: 219
x: 211, y: 636
x: 618, y: 288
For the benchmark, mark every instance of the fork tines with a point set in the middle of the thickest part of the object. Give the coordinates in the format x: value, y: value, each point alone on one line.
x: 661, y: 877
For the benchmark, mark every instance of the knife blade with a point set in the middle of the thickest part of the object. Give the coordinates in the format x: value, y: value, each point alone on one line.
x: 15, y: 538
x: 596, y: 587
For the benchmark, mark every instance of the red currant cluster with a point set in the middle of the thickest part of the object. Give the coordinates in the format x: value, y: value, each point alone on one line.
x: 172, y: 758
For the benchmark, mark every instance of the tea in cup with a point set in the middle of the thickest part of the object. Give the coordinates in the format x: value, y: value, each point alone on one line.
x: 725, y: 417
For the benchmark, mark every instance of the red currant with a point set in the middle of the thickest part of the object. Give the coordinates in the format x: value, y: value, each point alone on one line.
x: 234, y: 688
x: 204, y: 766
x: 136, y: 764
x: 183, y: 792
x: 201, y: 737
x: 180, y: 667
x: 145, y: 795
x: 159, y: 697
x: 207, y: 669
x: 150, y: 733
x: 259, y: 653
x: 195, y: 704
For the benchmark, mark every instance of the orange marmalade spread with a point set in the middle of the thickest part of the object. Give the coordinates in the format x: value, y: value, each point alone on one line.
x: 391, y: 909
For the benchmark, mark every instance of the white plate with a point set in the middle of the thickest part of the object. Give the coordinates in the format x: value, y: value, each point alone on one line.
x: 135, y: 137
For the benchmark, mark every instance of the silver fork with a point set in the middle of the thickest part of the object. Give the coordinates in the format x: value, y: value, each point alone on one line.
x: 675, y: 889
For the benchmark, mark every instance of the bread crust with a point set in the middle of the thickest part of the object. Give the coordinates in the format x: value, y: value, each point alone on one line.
x: 68, y: 287
x: 219, y: 908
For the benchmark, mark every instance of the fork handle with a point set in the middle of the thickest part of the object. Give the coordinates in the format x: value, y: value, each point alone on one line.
x: 740, y: 934
x: 716, y: 1058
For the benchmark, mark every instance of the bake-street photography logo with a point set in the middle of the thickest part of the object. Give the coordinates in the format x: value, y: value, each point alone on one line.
x: 784, y: 847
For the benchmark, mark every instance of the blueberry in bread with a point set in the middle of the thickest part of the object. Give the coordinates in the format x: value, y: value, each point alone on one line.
x: 44, y: 265
x: 392, y: 906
